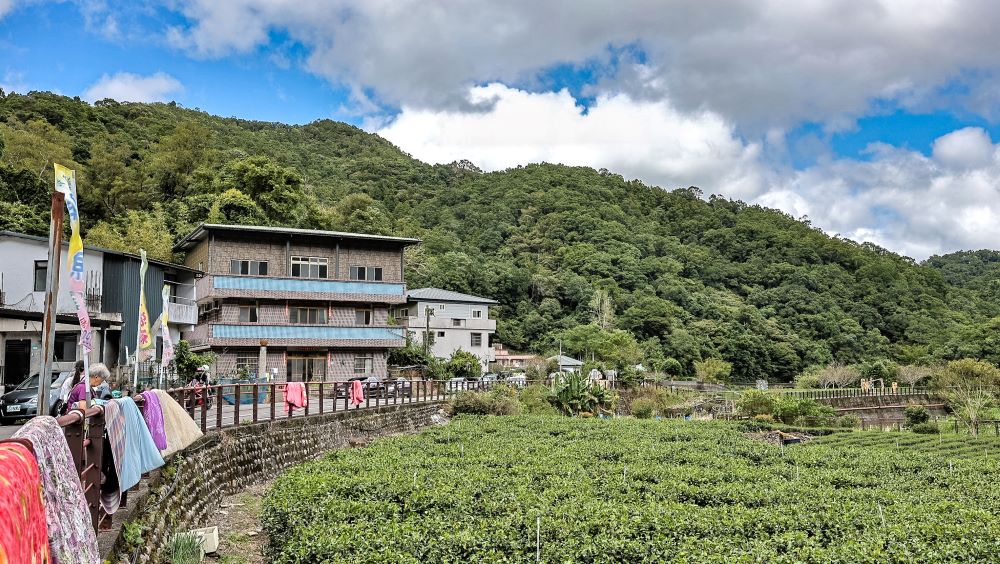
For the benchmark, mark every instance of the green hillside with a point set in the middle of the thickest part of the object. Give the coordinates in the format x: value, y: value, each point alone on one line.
x: 608, y: 266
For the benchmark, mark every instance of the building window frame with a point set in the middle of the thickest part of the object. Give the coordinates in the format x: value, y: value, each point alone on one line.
x: 248, y: 313
x: 477, y: 314
x: 41, y: 274
x: 440, y: 334
x: 300, y: 315
x: 309, y: 267
x: 250, y: 361
x: 364, y: 316
x: 248, y: 267
x: 364, y: 363
x: 476, y: 339
x: 457, y: 322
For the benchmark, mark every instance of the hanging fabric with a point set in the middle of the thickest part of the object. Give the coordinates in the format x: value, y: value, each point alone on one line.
x: 295, y: 396
x: 153, y: 414
x: 114, y: 452
x: 141, y: 454
x: 357, y: 393
x: 71, y: 536
x: 178, y: 426
x: 23, y: 534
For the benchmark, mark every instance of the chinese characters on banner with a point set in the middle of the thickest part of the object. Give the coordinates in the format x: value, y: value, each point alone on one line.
x: 66, y: 183
x: 168, y: 345
x: 144, y: 339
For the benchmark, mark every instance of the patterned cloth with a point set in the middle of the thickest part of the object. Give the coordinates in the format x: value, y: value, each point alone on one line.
x: 114, y: 429
x: 141, y: 455
x: 153, y: 414
x: 71, y: 535
x: 180, y: 429
x: 23, y: 536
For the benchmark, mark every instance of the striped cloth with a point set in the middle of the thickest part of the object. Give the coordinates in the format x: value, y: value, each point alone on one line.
x: 114, y: 429
x: 23, y: 534
x: 71, y: 535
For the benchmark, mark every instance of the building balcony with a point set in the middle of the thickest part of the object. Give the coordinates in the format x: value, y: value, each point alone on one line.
x: 182, y: 314
x: 235, y: 335
x: 445, y: 323
x: 223, y: 286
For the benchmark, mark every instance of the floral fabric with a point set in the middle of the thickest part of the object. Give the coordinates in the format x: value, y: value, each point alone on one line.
x: 23, y: 535
x: 71, y: 535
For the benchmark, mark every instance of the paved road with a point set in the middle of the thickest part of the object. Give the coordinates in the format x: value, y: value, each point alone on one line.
x: 246, y: 412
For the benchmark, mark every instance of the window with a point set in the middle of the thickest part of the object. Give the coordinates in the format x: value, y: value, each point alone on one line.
x: 307, y: 315
x: 246, y: 364
x: 363, y: 316
x: 458, y: 322
x: 65, y: 347
x: 364, y: 363
x: 477, y: 314
x: 309, y: 267
x: 249, y: 267
x: 306, y: 368
x: 248, y: 314
x: 366, y: 273
x: 477, y: 339
x: 41, y: 269
x: 441, y: 334
x: 440, y: 306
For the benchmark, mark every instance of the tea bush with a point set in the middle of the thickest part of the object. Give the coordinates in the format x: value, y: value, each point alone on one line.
x: 628, y: 490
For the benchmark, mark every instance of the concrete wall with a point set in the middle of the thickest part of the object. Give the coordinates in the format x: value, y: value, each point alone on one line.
x: 185, y: 493
x: 447, y: 337
x: 18, y: 268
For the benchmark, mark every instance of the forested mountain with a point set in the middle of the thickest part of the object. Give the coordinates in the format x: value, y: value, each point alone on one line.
x: 608, y: 266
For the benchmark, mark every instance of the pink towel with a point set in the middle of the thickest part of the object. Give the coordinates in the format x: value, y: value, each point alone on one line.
x: 295, y: 396
x: 357, y: 393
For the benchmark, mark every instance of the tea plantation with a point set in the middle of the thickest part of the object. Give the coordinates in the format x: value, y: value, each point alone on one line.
x: 623, y: 490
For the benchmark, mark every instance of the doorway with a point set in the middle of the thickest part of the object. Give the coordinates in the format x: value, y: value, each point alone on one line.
x: 16, y: 362
x: 306, y: 368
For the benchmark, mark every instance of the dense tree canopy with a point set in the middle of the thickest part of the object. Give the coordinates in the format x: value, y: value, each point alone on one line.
x: 613, y: 268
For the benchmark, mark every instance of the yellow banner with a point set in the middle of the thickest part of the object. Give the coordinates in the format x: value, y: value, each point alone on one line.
x: 144, y: 345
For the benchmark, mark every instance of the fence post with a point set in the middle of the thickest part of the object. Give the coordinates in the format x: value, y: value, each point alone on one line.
x: 218, y: 406
x: 237, y: 400
x: 321, y: 397
x: 273, y: 392
x: 256, y: 398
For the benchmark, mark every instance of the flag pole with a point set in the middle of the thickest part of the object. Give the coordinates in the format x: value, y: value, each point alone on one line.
x: 52, y: 272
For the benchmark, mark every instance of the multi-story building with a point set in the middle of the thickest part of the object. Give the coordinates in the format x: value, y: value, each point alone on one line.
x: 112, y: 299
x: 316, y: 302
x: 451, y: 321
x: 506, y: 360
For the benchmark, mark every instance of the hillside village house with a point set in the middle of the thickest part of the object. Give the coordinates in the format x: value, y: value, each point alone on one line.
x: 317, y: 302
x: 506, y: 360
x: 112, y: 298
x: 456, y: 321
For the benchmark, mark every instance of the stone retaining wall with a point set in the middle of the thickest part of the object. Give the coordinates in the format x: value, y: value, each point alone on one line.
x: 184, y: 494
x: 883, y: 408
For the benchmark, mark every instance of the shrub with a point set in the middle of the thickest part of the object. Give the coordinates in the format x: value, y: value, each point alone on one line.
x: 787, y: 410
x: 494, y: 402
x: 185, y: 548
x: 755, y: 402
x: 916, y: 414
x: 925, y: 429
x: 807, y: 381
x: 849, y: 421
x: 673, y: 367
x: 574, y: 392
x: 464, y: 364
x: 535, y: 401
x: 713, y: 371
x: 643, y: 408
x: 836, y: 375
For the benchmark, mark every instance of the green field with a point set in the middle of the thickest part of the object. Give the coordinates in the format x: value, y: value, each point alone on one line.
x: 626, y: 490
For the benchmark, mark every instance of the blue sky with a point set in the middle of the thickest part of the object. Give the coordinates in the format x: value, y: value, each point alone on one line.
x: 877, y: 124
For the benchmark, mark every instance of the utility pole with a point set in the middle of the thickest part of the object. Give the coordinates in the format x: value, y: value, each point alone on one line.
x: 52, y: 271
x: 428, y: 312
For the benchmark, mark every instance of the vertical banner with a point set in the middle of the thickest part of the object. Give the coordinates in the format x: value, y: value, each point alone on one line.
x: 144, y: 337
x: 168, y: 345
x: 66, y: 183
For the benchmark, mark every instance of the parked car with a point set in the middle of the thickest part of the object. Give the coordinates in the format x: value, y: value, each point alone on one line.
x: 342, y: 391
x: 404, y: 388
x: 22, y: 401
x: 457, y: 383
x: 517, y: 380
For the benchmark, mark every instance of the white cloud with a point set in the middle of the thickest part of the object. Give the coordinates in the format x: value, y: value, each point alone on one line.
x: 758, y: 63
x: 899, y: 199
x: 644, y: 139
x: 125, y: 86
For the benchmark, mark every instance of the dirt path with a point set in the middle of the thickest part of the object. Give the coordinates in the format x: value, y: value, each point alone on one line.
x: 241, y: 540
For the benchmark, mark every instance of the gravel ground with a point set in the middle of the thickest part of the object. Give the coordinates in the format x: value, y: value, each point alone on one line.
x: 241, y: 540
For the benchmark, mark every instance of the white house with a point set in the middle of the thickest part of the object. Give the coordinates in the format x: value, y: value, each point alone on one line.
x: 112, y: 294
x: 454, y: 320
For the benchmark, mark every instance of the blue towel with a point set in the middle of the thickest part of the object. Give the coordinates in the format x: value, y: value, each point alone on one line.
x: 140, y: 454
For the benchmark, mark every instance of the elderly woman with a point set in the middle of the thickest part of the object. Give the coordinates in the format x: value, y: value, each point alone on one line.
x: 99, y: 375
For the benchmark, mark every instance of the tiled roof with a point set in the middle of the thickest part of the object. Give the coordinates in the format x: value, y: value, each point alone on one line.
x: 565, y: 360
x: 439, y: 295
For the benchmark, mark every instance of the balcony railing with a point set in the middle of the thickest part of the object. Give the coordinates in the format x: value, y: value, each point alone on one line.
x: 320, y: 332
x: 182, y: 314
x: 307, y: 286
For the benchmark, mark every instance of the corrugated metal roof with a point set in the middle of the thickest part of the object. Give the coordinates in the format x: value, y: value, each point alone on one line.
x: 439, y: 295
x: 564, y: 360
x: 199, y: 233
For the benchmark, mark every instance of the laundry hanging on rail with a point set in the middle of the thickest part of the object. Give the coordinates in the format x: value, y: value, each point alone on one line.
x: 153, y: 414
x: 295, y: 396
x: 112, y: 456
x: 71, y: 536
x: 23, y: 533
x: 178, y: 426
x: 141, y: 455
x: 357, y: 393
